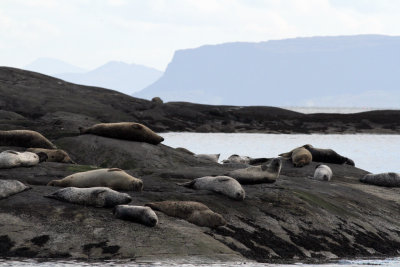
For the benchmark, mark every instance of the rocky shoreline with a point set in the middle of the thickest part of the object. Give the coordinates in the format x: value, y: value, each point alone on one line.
x: 57, y: 108
x: 295, y: 218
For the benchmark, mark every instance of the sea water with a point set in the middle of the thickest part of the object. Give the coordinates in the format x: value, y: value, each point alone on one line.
x: 372, y: 152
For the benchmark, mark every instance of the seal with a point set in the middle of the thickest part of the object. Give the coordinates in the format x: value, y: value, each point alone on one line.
x: 388, y: 179
x: 24, y: 138
x: 220, y: 184
x: 211, y: 157
x: 11, y: 187
x: 191, y: 211
x: 114, y: 178
x: 237, y: 159
x: 139, y: 214
x: 93, y: 196
x: 53, y: 155
x: 322, y: 173
x: 300, y: 156
x: 124, y: 130
x: 157, y: 100
x: 265, y: 173
x: 11, y: 159
x: 327, y: 156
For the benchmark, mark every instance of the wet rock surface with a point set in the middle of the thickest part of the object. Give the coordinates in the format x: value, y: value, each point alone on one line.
x: 295, y: 218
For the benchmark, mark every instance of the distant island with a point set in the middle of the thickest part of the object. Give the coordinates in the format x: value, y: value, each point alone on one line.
x: 342, y: 71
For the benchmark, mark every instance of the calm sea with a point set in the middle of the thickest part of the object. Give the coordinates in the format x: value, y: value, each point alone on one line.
x: 371, y: 152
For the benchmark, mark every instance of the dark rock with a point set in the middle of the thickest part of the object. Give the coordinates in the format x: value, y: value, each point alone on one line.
x: 57, y: 110
x: 294, y: 218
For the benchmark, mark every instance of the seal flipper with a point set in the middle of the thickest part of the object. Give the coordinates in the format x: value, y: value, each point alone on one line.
x: 114, y: 170
x: 286, y: 155
x: 225, y: 179
x: 53, y: 195
x: 187, y: 184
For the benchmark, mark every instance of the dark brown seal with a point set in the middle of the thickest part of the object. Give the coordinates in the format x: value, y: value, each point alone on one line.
x: 24, y: 138
x: 124, y: 130
x: 327, y: 156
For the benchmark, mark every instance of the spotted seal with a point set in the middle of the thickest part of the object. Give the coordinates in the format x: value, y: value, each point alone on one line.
x: 388, y: 179
x: 93, y: 196
x: 139, y: 214
x: 191, y: 211
x: 265, y: 173
x: 11, y: 159
x: 11, y: 187
x: 220, y: 184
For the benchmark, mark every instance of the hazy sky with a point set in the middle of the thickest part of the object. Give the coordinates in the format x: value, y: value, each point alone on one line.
x: 88, y: 33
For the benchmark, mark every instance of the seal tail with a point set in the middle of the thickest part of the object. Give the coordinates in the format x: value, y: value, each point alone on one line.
x: 82, y: 130
x: 286, y: 155
x: 52, y: 195
x: 187, y: 184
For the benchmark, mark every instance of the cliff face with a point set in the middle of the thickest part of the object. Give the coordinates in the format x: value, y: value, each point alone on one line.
x: 295, y: 218
x: 322, y: 71
x: 56, y: 108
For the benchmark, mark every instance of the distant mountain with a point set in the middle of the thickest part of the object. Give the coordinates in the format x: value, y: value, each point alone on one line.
x: 362, y: 70
x: 51, y: 66
x: 123, y: 77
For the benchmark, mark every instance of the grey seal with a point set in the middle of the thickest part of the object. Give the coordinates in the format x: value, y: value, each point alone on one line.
x: 220, y: 184
x: 237, y: 159
x: 322, y: 173
x: 210, y: 157
x: 11, y: 159
x: 139, y: 214
x: 265, y: 173
x: 11, y: 187
x: 93, y: 196
x: 191, y: 211
x: 388, y: 179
